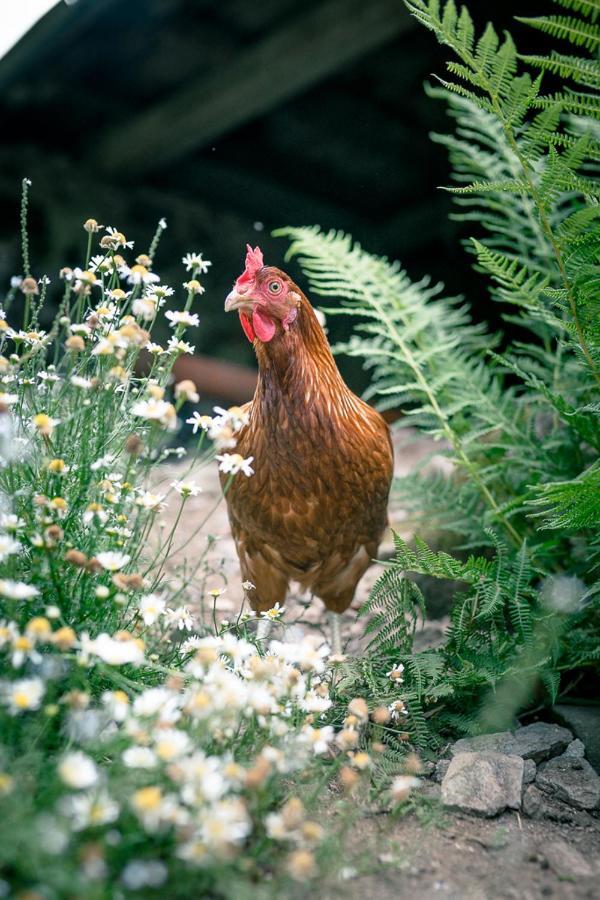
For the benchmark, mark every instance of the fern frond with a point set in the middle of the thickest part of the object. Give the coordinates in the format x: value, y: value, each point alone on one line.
x: 580, y: 69
x: 589, y: 8
x: 576, y: 31
x: 570, y: 504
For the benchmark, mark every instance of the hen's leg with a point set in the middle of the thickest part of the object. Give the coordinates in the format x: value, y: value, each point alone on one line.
x: 270, y: 588
x: 263, y: 628
x: 336, y: 590
x: 336, y: 635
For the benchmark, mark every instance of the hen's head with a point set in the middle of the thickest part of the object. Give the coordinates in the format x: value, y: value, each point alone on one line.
x: 265, y: 297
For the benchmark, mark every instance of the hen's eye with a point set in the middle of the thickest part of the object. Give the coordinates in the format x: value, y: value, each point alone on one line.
x: 274, y: 287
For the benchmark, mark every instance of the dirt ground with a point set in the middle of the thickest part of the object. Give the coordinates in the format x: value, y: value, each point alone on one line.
x: 458, y: 857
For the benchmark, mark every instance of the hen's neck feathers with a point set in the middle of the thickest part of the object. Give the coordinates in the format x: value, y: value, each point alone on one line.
x: 297, y: 372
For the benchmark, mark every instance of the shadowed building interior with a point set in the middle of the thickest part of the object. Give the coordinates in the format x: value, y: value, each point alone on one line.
x: 229, y: 119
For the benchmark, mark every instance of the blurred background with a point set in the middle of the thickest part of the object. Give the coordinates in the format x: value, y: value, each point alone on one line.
x: 229, y: 118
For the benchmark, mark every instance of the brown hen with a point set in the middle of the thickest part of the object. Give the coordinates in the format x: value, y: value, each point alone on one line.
x: 316, y: 507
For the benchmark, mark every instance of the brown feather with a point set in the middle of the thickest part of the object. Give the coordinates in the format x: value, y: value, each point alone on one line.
x: 316, y: 508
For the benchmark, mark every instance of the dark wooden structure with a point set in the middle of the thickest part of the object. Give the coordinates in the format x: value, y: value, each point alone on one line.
x: 230, y: 118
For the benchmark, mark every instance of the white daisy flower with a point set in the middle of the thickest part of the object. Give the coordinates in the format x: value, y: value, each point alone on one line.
x: 181, y: 317
x: 178, y: 346
x: 80, y: 382
x: 17, y: 590
x: 186, y: 488
x: 8, y: 546
x: 180, y: 618
x: 151, y: 607
x: 139, y: 758
x: 274, y: 613
x: 112, y: 560
x: 24, y: 694
x: 194, y: 261
x: 232, y: 463
x: 77, y: 770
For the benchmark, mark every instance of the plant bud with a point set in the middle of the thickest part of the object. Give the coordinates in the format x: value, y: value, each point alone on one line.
x: 76, y: 558
x: 30, y: 286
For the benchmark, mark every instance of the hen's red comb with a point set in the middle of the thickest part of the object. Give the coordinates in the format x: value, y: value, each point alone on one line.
x: 254, y: 262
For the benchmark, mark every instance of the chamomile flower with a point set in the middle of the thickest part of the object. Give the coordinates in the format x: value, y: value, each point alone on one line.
x: 113, y: 561
x: 194, y: 262
x: 90, y: 810
x: 151, y: 607
x: 401, y: 787
x: 199, y: 422
x: 148, y: 500
x: 138, y: 274
x: 232, y: 463
x: 180, y: 618
x: 140, y: 758
x: 396, y: 673
x: 156, y: 411
x: 24, y: 695
x: 397, y: 709
x: 274, y: 613
x: 115, y: 652
x: 114, y: 238
x: 181, y: 317
x: 186, y: 488
x: 8, y: 546
x: 17, y: 590
x: 44, y: 424
x: 186, y: 390
x: 79, y: 381
x: 78, y: 771
x: 193, y: 287
x: 178, y: 346
x: 145, y: 307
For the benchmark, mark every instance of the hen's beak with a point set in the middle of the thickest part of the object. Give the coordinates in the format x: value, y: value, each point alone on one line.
x: 237, y: 301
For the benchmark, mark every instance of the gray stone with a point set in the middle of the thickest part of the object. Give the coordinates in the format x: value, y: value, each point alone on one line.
x: 571, y: 780
x: 483, y: 783
x: 584, y: 721
x: 529, y: 770
x: 499, y: 742
x: 538, y: 742
x: 567, y: 861
x: 541, y: 740
x: 441, y: 769
x: 575, y: 750
x: 538, y: 805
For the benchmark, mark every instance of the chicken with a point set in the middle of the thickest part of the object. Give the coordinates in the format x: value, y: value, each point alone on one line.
x: 315, y: 510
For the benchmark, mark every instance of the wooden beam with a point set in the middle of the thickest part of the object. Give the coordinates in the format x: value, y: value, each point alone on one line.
x: 257, y: 79
x: 60, y: 27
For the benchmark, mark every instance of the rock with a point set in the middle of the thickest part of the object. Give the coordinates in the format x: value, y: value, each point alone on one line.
x: 541, y: 740
x: 575, y: 750
x: 441, y: 769
x: 484, y: 783
x: 538, y: 805
x: 571, y: 780
x: 431, y: 791
x: 532, y: 803
x: 584, y: 721
x: 529, y: 770
x: 538, y: 742
x: 499, y: 742
x: 567, y: 861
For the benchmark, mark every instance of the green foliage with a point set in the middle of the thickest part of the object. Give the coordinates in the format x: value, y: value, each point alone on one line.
x: 518, y: 418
